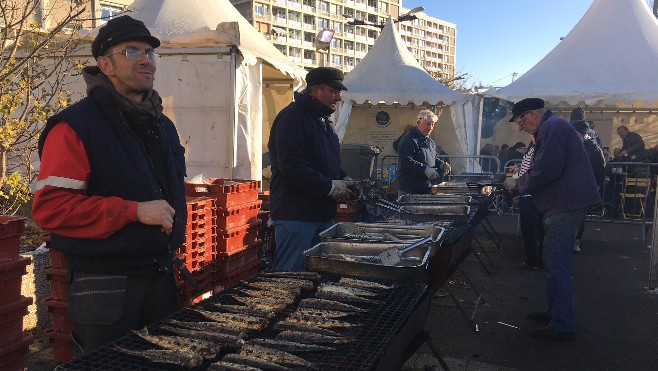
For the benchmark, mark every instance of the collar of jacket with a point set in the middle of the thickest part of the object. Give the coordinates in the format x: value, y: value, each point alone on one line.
x: 315, y: 107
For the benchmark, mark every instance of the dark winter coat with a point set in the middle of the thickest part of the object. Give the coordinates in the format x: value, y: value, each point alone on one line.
x: 415, y: 153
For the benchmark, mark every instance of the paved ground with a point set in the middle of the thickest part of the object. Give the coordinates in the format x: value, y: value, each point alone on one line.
x: 617, y: 317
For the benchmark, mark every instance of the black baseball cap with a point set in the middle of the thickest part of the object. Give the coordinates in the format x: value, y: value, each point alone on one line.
x: 525, y: 105
x: 327, y: 76
x: 120, y: 29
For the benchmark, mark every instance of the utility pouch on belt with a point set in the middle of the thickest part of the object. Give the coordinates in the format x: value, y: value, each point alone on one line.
x: 96, y: 299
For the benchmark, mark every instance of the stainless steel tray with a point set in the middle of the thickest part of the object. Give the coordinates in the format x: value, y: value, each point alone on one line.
x: 380, y: 232
x: 433, y: 199
x: 325, y: 257
x: 438, y: 209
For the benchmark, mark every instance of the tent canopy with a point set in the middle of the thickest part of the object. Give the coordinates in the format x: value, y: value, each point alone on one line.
x: 608, y: 58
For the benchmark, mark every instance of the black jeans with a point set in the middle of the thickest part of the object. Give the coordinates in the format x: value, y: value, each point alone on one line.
x: 532, y: 231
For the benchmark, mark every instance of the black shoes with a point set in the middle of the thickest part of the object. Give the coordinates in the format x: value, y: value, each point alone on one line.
x: 539, y: 316
x: 547, y: 333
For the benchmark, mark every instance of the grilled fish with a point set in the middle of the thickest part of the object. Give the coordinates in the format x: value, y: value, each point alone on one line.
x: 303, y: 327
x: 329, y: 305
x: 244, y: 309
x: 313, y: 338
x: 174, y: 357
x: 205, y: 349
x: 275, y: 356
x: 212, y: 327
x: 272, y: 295
x: 254, y: 362
x: 364, y: 284
x: 225, y: 340
x: 229, y: 366
x: 237, y: 320
x: 343, y: 295
x: 274, y: 286
x: 319, y: 321
x: 262, y: 303
x: 313, y: 276
x: 347, y: 290
x: 289, y: 346
x: 295, y: 282
x: 325, y: 313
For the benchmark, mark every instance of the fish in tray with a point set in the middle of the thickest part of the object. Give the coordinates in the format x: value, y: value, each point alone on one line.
x: 294, y: 282
x: 290, y: 346
x: 205, y: 349
x: 230, y: 366
x: 275, y: 356
x: 303, y: 327
x: 319, y: 321
x: 346, y: 281
x: 313, y: 276
x: 237, y: 320
x: 256, y: 362
x: 350, y: 289
x: 314, y: 338
x: 330, y: 305
x: 176, y: 357
x: 271, y: 295
x: 224, y: 340
x: 274, y: 286
x: 370, y: 259
x: 261, y: 303
x: 342, y: 293
x: 211, y: 327
x: 326, y: 313
x: 246, y: 309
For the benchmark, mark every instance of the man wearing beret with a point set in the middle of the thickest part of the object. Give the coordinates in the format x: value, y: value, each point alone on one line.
x: 111, y: 190
x: 561, y: 183
x: 307, y: 179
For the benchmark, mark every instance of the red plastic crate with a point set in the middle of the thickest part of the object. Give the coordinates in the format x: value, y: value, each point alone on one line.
x: 57, y: 259
x: 11, y: 321
x: 227, y: 282
x: 233, y: 217
x: 228, y: 192
x: 11, y: 277
x: 201, y: 212
x: 353, y: 217
x: 59, y: 314
x: 349, y: 207
x: 59, y: 284
x: 62, y: 345
x: 12, y: 356
x: 236, y: 239
x: 11, y: 229
x: 231, y: 265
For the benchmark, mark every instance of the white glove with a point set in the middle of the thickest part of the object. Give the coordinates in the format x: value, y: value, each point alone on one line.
x: 431, y: 173
x: 340, y: 190
x: 445, y: 167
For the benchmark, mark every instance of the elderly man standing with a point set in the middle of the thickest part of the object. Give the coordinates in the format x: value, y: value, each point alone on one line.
x: 417, y: 157
x: 562, y: 185
x: 307, y: 180
x: 633, y: 145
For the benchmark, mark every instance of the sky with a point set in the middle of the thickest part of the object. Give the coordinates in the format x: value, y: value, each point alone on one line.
x: 498, y: 38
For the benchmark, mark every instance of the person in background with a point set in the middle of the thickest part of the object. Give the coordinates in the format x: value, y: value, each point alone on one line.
x: 516, y: 151
x: 578, y: 114
x: 307, y: 179
x: 417, y: 157
x: 502, y: 156
x: 111, y: 191
x: 396, y: 142
x: 597, y: 160
x: 633, y: 145
x: 488, y: 164
x: 562, y: 185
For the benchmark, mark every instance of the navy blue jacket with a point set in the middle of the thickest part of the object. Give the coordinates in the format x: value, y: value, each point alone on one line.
x: 415, y: 153
x: 560, y: 176
x: 120, y: 167
x: 305, y: 155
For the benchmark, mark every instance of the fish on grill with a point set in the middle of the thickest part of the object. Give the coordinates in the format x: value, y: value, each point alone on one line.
x: 259, y: 363
x: 303, y: 327
x: 319, y: 321
x: 346, y: 290
x: 313, y: 338
x: 229, y: 366
x: 237, y: 320
x: 312, y: 276
x: 205, y: 349
x: 326, y: 313
x: 271, y: 295
x: 345, y: 281
x: 225, y: 340
x: 176, y: 357
x: 329, y: 305
x: 340, y: 293
x: 289, y: 346
x: 294, y: 282
x: 212, y: 327
x: 274, y: 286
x: 275, y: 356
x: 261, y: 303
x: 246, y: 309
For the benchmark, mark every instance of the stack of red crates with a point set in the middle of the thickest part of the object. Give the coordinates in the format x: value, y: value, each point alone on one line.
x: 235, y: 253
x: 58, y: 305
x: 13, y: 306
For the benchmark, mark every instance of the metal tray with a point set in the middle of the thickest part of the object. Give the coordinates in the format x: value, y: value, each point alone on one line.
x: 380, y: 232
x: 438, y: 209
x: 316, y: 259
x: 433, y: 199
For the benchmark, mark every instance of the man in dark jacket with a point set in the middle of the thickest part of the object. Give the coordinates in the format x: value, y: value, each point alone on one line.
x: 417, y: 157
x: 307, y: 179
x: 111, y: 190
x: 633, y: 145
x: 562, y: 185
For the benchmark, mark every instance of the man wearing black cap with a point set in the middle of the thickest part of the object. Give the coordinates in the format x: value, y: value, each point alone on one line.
x: 562, y: 185
x: 110, y: 190
x: 307, y: 180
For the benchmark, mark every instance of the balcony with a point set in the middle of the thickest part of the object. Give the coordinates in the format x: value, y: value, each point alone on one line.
x: 295, y: 23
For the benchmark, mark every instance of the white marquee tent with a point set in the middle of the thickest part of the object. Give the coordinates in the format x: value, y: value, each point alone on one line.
x: 220, y: 80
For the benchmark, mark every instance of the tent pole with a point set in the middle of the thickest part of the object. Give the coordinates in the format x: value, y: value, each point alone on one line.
x: 233, y: 116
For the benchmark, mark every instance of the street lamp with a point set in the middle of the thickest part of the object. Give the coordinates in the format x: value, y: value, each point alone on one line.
x: 408, y: 16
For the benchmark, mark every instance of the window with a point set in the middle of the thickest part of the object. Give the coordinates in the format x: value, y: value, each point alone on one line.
x: 323, y: 23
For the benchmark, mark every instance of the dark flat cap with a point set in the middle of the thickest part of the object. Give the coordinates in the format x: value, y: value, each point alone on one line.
x: 577, y: 114
x: 120, y: 29
x: 326, y: 75
x: 526, y: 105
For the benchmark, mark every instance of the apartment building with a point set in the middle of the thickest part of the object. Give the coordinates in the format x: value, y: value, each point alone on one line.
x: 292, y: 25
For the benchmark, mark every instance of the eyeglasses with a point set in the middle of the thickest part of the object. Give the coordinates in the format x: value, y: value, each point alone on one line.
x: 335, y: 92
x: 135, y: 54
x: 519, y: 119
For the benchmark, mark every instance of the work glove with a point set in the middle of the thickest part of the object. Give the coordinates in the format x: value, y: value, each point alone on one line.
x: 340, y: 190
x: 431, y: 173
x: 445, y: 167
x: 355, y: 189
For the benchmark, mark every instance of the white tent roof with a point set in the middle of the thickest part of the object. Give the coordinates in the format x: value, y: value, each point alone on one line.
x: 609, y: 57
x: 389, y: 73
x: 199, y: 23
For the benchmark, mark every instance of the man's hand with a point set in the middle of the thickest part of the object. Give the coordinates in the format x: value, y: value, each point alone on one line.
x: 431, y: 173
x: 157, y: 212
x: 445, y: 167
